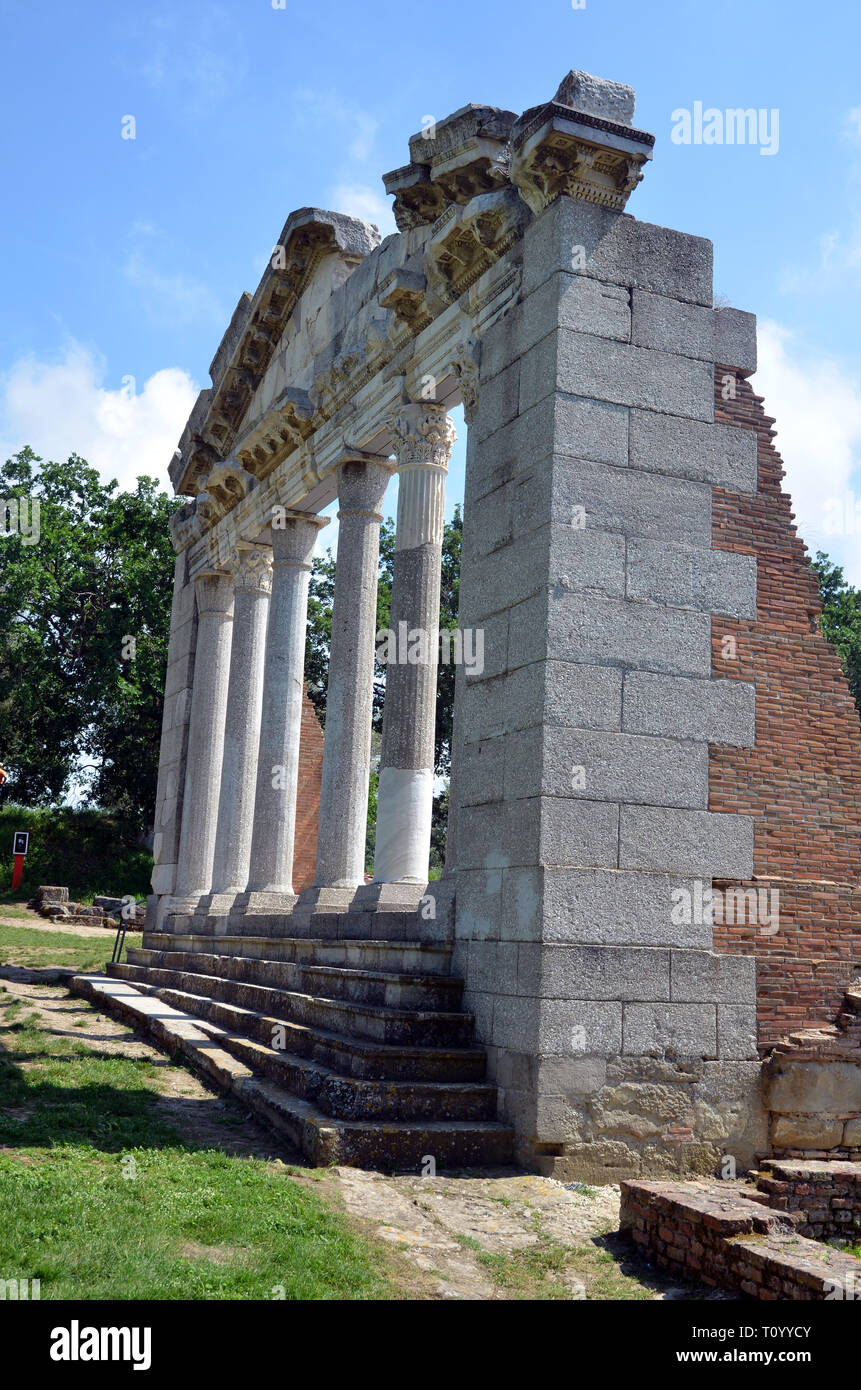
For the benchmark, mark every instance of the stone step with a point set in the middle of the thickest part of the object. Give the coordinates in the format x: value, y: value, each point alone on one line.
x: 351, y: 1098
x: 348, y: 1056
x: 414, y: 1028
x: 381, y: 989
x: 380, y: 925
x: 321, y: 1138
x: 400, y: 957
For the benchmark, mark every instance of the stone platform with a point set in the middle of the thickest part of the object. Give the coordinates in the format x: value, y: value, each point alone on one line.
x: 356, y: 1051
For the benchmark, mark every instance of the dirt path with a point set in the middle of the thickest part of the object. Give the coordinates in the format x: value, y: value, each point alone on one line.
x: 490, y: 1235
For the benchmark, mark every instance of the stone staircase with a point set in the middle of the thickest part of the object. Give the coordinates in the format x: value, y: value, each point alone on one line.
x: 356, y: 1050
x: 812, y: 1088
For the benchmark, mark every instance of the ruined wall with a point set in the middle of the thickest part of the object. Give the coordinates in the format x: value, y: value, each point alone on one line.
x: 802, y: 780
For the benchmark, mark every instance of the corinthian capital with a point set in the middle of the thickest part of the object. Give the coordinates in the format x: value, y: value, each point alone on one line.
x: 422, y: 433
x: 252, y: 568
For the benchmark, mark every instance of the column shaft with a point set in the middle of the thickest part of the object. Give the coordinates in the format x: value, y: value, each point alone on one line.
x: 424, y: 436
x: 214, y: 595
x: 278, y: 761
x: 252, y: 583
x: 349, y: 697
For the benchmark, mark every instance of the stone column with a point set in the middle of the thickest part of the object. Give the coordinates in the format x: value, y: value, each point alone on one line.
x: 271, y: 875
x: 214, y: 595
x: 252, y: 585
x: 423, y: 435
x: 349, y: 698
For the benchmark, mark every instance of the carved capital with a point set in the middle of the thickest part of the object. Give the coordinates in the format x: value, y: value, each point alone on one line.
x: 423, y: 434
x: 251, y: 566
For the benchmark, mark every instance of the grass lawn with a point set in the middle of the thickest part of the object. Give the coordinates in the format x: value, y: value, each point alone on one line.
x: 34, y: 948
x: 100, y: 1198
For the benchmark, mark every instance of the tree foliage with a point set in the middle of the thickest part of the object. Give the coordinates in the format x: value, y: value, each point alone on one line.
x: 840, y: 620
x: 84, y: 629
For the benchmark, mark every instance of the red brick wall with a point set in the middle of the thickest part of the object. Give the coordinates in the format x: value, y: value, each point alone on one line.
x: 802, y: 781
x: 308, y: 797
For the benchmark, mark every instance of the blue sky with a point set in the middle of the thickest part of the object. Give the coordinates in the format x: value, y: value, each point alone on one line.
x: 123, y: 259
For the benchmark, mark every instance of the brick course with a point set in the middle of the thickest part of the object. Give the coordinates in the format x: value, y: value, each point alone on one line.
x: 802, y: 780
x: 307, y: 797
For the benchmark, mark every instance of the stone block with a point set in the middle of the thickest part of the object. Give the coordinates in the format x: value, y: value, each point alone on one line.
x: 498, y: 400
x: 516, y: 1022
x: 493, y: 967
x: 592, y: 765
x: 560, y: 692
x: 580, y: 1027
x: 724, y: 455
x: 702, y: 977
x: 617, y: 249
x: 600, y: 369
x: 672, y: 325
x: 561, y: 831
x: 817, y: 1087
x: 736, y: 1031
x: 601, y: 907
x: 577, y: 303
x: 479, y: 904
x: 595, y: 629
x: 591, y: 430
x: 621, y: 500
x: 605, y: 972
x: 806, y: 1132
x: 735, y: 340
x: 577, y: 1076
x: 686, y: 1029
x: 713, y: 581
x: 482, y: 836
x: 720, y: 711
x: 707, y: 843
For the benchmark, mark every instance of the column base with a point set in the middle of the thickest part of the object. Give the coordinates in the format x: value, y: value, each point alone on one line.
x: 321, y: 900
x: 217, y: 904
x: 259, y: 900
x: 400, y: 896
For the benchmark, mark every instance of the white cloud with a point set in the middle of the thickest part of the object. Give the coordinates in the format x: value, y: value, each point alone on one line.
x: 357, y: 200
x: 816, y: 403
x: 64, y: 407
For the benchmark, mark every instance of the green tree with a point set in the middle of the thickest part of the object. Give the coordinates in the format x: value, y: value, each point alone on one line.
x: 84, y: 628
x: 840, y: 620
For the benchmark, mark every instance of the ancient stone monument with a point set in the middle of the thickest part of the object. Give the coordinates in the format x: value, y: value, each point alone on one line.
x: 563, y: 993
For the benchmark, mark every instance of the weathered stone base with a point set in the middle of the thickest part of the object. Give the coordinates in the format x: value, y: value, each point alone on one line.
x: 603, y: 1120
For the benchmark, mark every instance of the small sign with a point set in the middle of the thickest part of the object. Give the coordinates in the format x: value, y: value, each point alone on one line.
x: 22, y: 840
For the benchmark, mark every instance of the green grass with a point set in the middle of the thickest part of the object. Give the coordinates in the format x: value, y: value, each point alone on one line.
x: 549, y: 1270
x: 36, y: 949
x: 192, y: 1224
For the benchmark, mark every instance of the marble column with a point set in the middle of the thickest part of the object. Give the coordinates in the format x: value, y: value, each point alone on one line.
x: 270, y: 883
x: 214, y: 597
x: 252, y: 585
x: 349, y: 697
x: 423, y: 435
